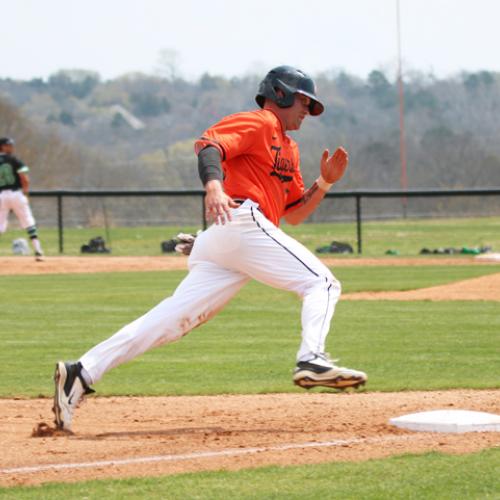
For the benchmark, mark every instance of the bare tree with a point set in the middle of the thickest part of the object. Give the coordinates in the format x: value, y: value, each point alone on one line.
x: 168, y: 64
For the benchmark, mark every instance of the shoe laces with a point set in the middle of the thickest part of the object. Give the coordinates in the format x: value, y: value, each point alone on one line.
x: 326, y: 356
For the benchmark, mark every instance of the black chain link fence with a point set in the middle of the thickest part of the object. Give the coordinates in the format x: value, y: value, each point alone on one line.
x: 130, y: 208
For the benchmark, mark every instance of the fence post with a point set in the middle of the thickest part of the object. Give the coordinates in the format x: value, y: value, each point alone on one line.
x: 358, y: 222
x: 60, y: 222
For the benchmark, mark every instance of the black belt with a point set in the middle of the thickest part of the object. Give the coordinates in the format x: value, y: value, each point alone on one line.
x: 240, y: 201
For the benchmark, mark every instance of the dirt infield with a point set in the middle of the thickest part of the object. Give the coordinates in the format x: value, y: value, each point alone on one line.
x: 482, y: 288
x: 94, y: 264
x: 123, y: 437
x: 98, y: 264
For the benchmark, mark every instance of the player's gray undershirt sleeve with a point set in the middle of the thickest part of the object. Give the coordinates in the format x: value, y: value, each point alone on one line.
x: 209, y: 165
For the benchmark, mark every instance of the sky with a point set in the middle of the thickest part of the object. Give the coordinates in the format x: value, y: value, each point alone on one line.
x: 236, y: 37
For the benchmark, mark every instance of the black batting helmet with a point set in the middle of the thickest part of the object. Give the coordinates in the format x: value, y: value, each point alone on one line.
x: 290, y: 81
x: 6, y: 140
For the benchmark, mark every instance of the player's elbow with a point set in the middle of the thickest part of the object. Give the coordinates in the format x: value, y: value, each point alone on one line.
x: 293, y: 219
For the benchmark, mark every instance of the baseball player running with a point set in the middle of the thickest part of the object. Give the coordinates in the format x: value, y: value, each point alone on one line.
x: 14, y: 189
x: 250, y: 169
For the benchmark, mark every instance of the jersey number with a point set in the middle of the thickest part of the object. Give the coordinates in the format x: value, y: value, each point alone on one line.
x: 7, y: 177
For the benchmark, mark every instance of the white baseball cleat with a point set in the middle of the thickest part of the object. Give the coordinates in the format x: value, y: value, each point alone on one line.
x: 70, y: 390
x: 322, y: 371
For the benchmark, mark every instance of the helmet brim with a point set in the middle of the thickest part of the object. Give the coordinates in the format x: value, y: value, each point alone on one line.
x: 316, y: 107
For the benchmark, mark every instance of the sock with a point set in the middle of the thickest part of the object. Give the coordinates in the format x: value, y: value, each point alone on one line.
x: 37, y: 246
x: 85, y: 375
x: 32, y: 233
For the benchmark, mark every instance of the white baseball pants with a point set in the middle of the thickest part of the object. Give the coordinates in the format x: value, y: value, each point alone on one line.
x: 18, y: 203
x: 224, y: 258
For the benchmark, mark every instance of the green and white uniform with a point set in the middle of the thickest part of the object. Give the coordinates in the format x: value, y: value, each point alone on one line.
x: 11, y: 194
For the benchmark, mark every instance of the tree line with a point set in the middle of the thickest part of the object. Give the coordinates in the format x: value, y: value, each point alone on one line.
x: 68, y: 128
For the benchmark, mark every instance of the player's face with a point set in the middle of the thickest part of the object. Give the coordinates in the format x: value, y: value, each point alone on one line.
x: 296, y: 113
x: 7, y: 148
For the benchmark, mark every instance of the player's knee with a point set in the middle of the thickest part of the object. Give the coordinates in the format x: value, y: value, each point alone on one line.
x: 332, y: 284
x: 32, y: 232
x: 324, y: 281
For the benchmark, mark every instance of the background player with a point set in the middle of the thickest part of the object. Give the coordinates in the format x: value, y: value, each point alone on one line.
x: 14, y: 190
x: 250, y: 169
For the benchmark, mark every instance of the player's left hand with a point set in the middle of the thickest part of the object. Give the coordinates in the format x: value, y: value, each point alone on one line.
x: 333, y: 167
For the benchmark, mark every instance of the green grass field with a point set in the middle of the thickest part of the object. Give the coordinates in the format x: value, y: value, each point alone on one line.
x: 430, y: 476
x: 406, y: 236
x: 402, y: 345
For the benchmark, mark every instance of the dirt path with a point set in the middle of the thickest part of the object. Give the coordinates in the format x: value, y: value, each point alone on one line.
x: 124, y: 437
x: 482, y: 288
x: 94, y: 264
x: 97, y: 264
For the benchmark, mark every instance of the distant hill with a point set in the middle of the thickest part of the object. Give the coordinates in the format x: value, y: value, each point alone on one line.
x: 54, y: 162
x: 138, y: 130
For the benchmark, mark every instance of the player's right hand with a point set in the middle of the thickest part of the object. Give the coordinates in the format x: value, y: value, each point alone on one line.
x: 218, y: 204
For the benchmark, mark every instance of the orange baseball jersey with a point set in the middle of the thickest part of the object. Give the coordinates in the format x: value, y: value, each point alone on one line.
x: 259, y: 160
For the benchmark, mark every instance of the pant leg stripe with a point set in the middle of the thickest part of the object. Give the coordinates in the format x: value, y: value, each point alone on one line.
x: 281, y: 244
x: 324, y: 317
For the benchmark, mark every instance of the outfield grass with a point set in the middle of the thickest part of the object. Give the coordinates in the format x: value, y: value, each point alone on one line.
x: 249, y: 347
x: 430, y: 476
x: 406, y: 236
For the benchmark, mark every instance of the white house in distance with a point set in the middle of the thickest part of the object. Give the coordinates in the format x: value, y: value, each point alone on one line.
x: 131, y: 120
